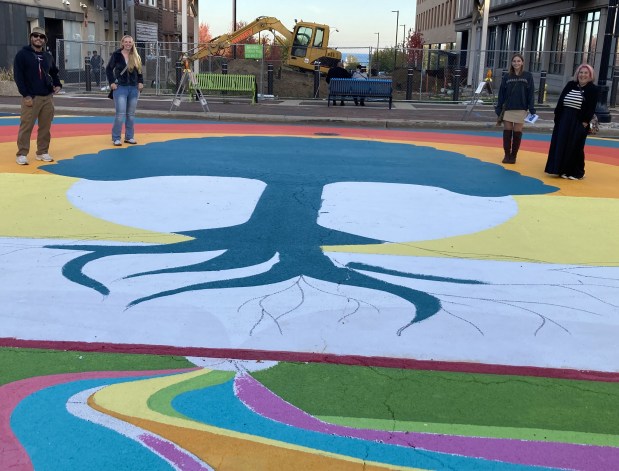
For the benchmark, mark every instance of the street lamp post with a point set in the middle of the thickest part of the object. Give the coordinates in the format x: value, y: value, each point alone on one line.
x: 376, y: 55
x: 397, y: 27
x: 403, y: 35
x: 234, y: 25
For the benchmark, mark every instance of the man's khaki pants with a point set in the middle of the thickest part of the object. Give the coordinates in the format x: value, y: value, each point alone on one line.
x: 42, y: 109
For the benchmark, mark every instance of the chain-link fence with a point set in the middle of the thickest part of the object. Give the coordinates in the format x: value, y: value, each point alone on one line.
x: 417, y: 74
x: 81, y: 70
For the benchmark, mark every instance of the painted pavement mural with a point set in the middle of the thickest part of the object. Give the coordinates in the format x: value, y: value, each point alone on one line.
x: 228, y: 296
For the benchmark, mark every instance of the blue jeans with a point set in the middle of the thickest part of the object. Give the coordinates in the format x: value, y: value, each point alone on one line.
x: 125, y: 102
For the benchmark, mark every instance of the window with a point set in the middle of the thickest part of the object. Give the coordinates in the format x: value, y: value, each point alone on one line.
x: 491, y: 47
x: 320, y: 33
x: 558, y: 47
x: 304, y: 34
x: 588, y: 26
x: 301, y: 41
x: 537, y: 45
x: 503, y: 48
x: 520, y: 35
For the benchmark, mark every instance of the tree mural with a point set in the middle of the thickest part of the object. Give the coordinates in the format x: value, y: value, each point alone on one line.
x: 284, y: 224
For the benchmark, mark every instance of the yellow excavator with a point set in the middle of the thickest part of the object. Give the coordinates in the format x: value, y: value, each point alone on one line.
x: 308, y: 43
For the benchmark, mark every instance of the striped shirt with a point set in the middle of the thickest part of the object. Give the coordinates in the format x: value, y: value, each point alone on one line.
x: 573, y: 99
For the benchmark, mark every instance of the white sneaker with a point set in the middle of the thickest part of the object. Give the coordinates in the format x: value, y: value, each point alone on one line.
x: 22, y: 160
x: 117, y: 142
x: 45, y: 158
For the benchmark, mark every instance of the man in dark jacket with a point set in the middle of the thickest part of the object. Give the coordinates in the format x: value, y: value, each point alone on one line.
x: 96, y: 64
x: 338, y: 72
x: 36, y: 77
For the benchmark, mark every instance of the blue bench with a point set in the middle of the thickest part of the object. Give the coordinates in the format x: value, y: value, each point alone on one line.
x: 349, y: 89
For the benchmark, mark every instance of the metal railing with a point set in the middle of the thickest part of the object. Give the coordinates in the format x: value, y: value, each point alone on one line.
x: 417, y: 74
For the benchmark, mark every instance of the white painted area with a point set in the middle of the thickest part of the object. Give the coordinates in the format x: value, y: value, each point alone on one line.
x: 169, y: 203
x: 527, y: 314
x: 397, y: 212
x: 524, y: 314
x: 238, y: 366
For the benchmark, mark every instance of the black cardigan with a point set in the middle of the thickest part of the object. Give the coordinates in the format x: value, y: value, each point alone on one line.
x: 116, y: 65
x: 590, y: 95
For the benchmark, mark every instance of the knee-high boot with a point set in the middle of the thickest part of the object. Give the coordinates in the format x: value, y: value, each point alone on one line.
x: 515, y: 146
x: 507, y: 145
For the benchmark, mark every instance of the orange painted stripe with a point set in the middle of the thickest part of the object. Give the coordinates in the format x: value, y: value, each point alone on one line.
x: 231, y: 453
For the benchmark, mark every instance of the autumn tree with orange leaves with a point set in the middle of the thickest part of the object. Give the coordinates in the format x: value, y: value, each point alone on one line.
x: 204, y: 33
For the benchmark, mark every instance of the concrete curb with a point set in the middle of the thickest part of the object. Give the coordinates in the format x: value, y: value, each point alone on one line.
x: 539, y: 128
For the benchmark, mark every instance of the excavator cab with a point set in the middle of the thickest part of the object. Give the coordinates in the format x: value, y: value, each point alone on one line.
x: 308, y: 46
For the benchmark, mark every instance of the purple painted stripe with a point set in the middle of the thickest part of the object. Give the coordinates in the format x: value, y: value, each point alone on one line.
x: 551, y: 454
x: 169, y: 451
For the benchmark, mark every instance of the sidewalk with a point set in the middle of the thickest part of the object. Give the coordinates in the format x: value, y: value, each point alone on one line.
x: 374, y: 114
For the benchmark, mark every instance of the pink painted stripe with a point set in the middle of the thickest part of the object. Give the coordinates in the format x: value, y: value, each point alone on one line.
x: 12, y: 455
x: 310, y: 357
x: 532, y: 453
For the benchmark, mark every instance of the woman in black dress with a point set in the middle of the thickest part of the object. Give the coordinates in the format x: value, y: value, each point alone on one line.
x: 573, y: 113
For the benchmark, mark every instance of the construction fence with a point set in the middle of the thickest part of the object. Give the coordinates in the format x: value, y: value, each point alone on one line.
x: 417, y: 74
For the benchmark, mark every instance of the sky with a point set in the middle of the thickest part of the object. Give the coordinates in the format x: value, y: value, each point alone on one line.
x: 356, y: 20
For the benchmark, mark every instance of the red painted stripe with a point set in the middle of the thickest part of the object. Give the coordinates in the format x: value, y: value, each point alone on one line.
x: 13, y: 455
x: 593, y: 153
x: 245, y: 354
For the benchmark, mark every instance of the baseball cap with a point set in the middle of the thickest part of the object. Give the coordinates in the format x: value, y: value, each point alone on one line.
x: 38, y: 30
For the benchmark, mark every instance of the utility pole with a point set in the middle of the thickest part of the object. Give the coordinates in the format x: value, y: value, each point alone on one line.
x: 377, y: 65
x: 395, y: 46
x: 234, y: 26
x: 184, y: 25
x: 484, y: 39
x: 131, y: 18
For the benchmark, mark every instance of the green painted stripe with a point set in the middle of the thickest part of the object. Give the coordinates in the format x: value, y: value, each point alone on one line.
x: 20, y: 363
x: 477, y: 431
x: 484, y: 400
x: 161, y: 401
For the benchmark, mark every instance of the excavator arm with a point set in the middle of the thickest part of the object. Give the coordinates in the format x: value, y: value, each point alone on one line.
x: 263, y: 23
x: 308, y: 42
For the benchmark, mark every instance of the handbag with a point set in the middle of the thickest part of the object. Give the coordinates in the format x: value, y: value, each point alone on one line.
x: 594, y: 125
x: 499, y: 120
x: 111, y: 94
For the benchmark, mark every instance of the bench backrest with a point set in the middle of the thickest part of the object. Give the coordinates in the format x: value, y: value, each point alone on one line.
x: 369, y: 87
x: 232, y: 82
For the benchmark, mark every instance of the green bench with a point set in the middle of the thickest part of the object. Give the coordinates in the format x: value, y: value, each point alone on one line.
x: 226, y: 83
